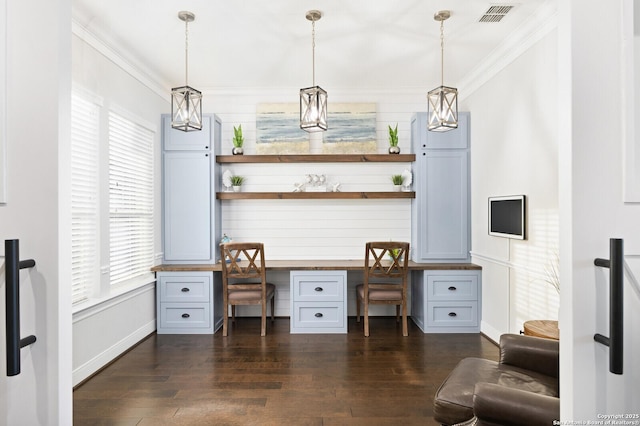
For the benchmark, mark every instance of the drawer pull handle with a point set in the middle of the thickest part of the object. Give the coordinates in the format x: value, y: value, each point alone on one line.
x: 187, y: 315
x: 318, y: 289
x: 453, y: 314
x: 319, y: 315
x: 452, y: 288
x: 185, y: 289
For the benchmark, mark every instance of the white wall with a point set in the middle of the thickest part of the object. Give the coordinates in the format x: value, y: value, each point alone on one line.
x: 514, y: 150
x: 38, y: 87
x: 125, y: 316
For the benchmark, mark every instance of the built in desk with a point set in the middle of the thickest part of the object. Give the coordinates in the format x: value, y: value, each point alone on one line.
x: 318, y: 265
x: 445, y: 297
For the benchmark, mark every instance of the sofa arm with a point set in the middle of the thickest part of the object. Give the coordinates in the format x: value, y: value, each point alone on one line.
x: 500, y: 405
x: 531, y: 353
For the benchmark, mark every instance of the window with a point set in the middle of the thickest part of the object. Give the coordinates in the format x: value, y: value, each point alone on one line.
x: 130, y: 199
x: 85, y: 137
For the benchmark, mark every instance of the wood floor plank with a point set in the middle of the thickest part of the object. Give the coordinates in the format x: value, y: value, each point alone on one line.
x: 279, y: 379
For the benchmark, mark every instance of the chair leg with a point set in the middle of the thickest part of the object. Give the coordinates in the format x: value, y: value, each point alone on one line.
x: 357, y: 307
x: 225, y: 320
x: 397, y: 313
x: 273, y: 309
x: 405, y: 328
x: 233, y: 314
x: 263, y: 322
x: 366, y: 319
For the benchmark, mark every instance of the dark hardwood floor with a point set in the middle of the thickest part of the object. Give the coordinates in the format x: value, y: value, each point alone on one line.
x: 280, y: 379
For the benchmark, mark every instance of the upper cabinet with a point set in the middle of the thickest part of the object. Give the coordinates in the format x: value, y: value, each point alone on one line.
x: 422, y: 139
x: 177, y: 140
x: 440, y: 222
x: 190, y: 210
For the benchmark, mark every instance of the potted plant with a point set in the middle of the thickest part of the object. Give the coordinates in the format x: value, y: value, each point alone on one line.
x: 397, y: 182
x: 238, y: 140
x: 236, y: 182
x: 393, y: 140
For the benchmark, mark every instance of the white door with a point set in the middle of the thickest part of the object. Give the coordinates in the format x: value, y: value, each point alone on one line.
x: 591, y: 122
x: 35, y: 131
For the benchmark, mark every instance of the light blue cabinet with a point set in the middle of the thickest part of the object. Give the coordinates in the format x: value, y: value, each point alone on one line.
x: 318, y: 302
x: 441, y: 209
x: 191, y: 212
x: 177, y: 140
x: 188, y: 302
x: 447, y: 301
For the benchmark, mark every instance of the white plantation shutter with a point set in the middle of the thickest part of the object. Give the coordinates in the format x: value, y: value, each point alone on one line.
x: 85, y: 136
x: 130, y: 199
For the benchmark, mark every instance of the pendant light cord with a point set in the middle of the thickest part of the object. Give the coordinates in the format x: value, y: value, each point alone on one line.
x: 313, y: 51
x: 186, y: 52
x: 442, y: 52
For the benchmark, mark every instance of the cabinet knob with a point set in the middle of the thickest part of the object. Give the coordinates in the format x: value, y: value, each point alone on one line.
x: 187, y: 315
x: 452, y: 288
x: 318, y: 289
x: 206, y: 147
x: 206, y: 155
x: 453, y: 314
x: 319, y: 315
x: 185, y: 289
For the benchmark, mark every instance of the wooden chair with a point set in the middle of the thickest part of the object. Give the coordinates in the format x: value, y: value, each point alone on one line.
x: 244, y: 281
x: 386, y: 268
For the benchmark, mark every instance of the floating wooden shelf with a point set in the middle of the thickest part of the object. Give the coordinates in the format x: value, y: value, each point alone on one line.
x: 311, y: 195
x: 317, y: 158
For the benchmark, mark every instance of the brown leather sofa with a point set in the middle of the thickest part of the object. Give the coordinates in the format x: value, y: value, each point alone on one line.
x: 522, y: 388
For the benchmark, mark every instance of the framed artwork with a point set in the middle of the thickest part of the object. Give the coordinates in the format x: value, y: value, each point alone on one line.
x: 278, y: 129
x: 352, y: 129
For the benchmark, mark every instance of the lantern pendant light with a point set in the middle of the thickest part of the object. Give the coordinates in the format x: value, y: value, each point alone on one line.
x: 186, y: 102
x: 442, y: 112
x: 313, y: 100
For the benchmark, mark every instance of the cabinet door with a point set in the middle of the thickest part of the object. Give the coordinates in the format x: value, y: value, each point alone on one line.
x: 187, y: 206
x: 452, y: 139
x: 443, y: 205
x: 177, y: 140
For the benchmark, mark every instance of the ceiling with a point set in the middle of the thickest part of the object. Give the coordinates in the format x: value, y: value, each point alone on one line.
x: 267, y: 44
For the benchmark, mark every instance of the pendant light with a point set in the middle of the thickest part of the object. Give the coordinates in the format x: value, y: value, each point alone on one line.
x: 442, y: 101
x: 186, y: 102
x: 313, y: 100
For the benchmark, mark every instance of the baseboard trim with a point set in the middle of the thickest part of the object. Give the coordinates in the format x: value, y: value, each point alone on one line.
x: 111, y: 354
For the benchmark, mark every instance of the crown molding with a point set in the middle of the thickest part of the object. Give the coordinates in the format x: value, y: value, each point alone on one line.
x: 134, y: 69
x: 335, y: 92
x: 542, y: 22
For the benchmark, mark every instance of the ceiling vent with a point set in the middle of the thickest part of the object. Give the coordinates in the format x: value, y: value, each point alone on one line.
x: 495, y: 13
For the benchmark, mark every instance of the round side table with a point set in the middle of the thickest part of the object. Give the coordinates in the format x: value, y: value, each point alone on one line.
x: 542, y: 328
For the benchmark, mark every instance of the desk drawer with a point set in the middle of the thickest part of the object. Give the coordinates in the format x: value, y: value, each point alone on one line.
x: 180, y: 315
x: 185, y: 288
x: 452, y: 287
x: 318, y: 315
x: 318, y: 287
x: 452, y: 314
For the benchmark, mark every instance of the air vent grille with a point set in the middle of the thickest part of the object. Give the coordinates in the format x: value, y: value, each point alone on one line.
x: 495, y: 13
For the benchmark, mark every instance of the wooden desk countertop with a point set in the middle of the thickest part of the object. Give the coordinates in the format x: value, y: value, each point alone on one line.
x: 316, y: 265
